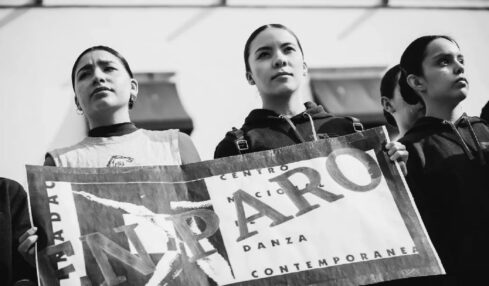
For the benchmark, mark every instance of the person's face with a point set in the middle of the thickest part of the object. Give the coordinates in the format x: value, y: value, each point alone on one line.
x: 406, y: 114
x: 443, y: 77
x: 276, y: 63
x: 102, y: 84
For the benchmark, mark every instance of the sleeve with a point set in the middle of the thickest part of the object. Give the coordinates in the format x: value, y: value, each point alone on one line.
x: 415, y: 165
x: 20, y: 224
x: 418, y: 182
x: 225, y: 148
x: 337, y: 126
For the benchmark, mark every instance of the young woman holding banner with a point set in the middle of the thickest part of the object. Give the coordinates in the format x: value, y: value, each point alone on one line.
x: 274, y: 62
x: 449, y: 155
x: 105, y: 90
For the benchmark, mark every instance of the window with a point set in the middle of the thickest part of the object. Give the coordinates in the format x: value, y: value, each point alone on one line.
x: 158, y: 106
x: 350, y: 92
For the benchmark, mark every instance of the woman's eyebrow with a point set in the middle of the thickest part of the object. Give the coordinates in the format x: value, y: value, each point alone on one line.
x: 287, y: 44
x: 441, y: 55
x: 90, y: 65
x: 85, y: 67
x: 447, y: 54
x: 263, y: 48
x: 268, y: 47
x: 105, y: 62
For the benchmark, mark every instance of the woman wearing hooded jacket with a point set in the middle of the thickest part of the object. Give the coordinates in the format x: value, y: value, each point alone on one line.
x: 448, y: 170
x: 275, y: 64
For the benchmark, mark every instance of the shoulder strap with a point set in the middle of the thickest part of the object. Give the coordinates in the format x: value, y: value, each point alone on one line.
x: 239, y: 140
x: 357, y: 125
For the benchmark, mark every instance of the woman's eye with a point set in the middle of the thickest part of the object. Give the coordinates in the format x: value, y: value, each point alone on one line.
x: 262, y: 55
x: 289, y: 49
x: 82, y: 75
x: 109, y: 68
x: 443, y: 62
x: 461, y: 61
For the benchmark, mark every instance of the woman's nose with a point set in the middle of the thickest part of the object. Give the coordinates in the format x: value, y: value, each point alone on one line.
x: 459, y: 67
x: 279, y: 61
x: 98, y: 75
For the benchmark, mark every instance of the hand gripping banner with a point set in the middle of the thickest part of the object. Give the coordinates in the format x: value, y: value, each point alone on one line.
x: 330, y: 212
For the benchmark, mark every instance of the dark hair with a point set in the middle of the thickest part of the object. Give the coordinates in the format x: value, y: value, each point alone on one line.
x: 412, y: 63
x: 257, y: 32
x: 103, y: 48
x: 387, y: 88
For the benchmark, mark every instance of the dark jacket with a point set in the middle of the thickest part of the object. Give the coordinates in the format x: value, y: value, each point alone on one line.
x: 485, y: 112
x: 265, y: 130
x: 448, y: 174
x: 14, y: 221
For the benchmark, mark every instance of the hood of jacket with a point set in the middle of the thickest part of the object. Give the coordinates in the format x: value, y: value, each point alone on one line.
x: 428, y: 126
x: 260, y: 117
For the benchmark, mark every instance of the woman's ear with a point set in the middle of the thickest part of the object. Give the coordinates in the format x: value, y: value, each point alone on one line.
x: 77, y: 104
x: 387, y: 105
x: 305, y: 69
x: 134, y: 89
x: 416, y: 83
x: 249, y: 78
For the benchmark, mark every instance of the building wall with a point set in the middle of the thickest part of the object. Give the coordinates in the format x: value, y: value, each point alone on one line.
x: 204, y: 47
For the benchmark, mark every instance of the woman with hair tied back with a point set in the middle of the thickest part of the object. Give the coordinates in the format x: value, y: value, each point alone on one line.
x: 274, y: 62
x: 397, y: 111
x: 448, y: 171
x: 105, y: 90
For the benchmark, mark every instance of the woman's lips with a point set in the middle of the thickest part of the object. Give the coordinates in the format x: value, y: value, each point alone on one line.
x: 280, y: 74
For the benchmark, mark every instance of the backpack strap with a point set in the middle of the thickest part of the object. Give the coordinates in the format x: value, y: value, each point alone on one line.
x: 239, y: 140
x: 357, y: 125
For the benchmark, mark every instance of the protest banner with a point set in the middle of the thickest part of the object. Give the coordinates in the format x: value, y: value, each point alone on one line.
x: 330, y: 212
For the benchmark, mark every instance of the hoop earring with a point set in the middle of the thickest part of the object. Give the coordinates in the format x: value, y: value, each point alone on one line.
x: 131, y: 102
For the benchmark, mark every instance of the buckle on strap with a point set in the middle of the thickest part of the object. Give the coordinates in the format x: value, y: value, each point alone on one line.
x: 242, y: 145
x: 357, y: 126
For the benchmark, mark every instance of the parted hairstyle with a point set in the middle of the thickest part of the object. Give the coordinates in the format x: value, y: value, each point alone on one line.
x: 257, y: 32
x: 103, y: 48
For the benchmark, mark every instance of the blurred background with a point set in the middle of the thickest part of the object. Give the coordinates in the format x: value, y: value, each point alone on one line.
x: 188, y: 57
